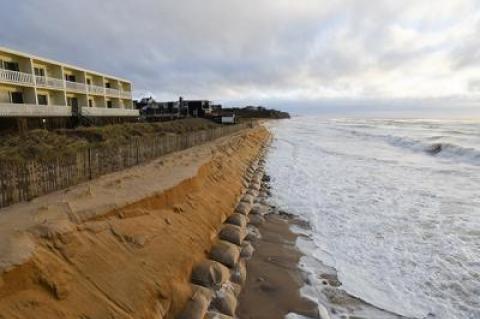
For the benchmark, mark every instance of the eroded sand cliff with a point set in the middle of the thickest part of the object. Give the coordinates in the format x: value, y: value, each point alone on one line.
x: 122, y: 246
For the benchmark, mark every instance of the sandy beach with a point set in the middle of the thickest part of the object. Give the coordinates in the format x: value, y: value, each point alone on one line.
x: 272, y: 289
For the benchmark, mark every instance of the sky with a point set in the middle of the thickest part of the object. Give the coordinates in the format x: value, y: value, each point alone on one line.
x: 341, y: 56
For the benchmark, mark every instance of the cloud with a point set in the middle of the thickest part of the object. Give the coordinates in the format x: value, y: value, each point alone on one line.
x: 265, y: 50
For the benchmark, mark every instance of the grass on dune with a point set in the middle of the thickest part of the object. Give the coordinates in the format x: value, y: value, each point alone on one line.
x: 46, y: 145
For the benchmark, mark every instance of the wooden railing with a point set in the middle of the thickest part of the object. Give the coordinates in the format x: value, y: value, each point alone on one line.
x: 101, y: 111
x: 95, y: 89
x: 126, y: 94
x: 75, y: 86
x: 15, y: 77
x: 33, y: 110
x: 48, y: 82
x: 27, y: 180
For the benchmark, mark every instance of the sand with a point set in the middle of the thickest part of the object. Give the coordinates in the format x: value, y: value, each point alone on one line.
x: 274, y: 279
x: 122, y: 246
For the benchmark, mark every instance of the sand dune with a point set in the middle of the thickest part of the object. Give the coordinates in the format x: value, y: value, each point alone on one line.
x: 121, y: 246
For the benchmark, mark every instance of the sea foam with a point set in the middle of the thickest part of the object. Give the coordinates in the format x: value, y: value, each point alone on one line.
x: 394, y: 210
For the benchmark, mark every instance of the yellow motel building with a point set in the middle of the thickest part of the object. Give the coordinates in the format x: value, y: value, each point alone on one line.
x: 31, y: 86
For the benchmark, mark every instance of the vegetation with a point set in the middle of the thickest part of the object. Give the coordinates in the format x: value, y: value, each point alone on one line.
x: 257, y: 112
x: 45, y: 145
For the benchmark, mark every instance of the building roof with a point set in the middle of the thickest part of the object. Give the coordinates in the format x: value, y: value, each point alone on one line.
x: 27, y: 55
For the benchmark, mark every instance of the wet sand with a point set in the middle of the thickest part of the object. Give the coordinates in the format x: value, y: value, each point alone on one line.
x: 274, y: 280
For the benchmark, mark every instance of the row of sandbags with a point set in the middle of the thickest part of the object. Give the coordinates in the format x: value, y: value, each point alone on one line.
x: 217, y: 282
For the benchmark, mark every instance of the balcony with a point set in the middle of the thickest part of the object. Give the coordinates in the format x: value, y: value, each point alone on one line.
x: 16, y: 77
x: 32, y: 110
x: 118, y: 93
x: 95, y: 89
x: 126, y: 94
x: 75, y: 86
x: 99, y: 112
x: 112, y: 92
x: 47, y: 82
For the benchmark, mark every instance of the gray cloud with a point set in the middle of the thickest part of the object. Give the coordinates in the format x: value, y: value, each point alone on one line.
x: 257, y: 51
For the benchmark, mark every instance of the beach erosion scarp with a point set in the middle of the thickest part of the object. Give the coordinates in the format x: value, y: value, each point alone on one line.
x: 124, y: 245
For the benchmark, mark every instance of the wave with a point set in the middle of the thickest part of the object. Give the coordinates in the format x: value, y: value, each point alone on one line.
x: 439, y: 149
x: 466, y: 154
x: 431, y: 145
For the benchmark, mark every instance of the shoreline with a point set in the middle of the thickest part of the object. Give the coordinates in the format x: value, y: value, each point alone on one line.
x: 274, y: 280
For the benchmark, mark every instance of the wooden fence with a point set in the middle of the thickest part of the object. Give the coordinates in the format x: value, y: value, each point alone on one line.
x: 25, y: 181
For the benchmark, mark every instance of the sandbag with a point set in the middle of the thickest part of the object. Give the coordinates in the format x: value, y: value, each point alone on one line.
x: 255, y: 185
x: 237, y: 219
x: 256, y: 220
x: 258, y: 177
x: 247, y: 199
x: 253, y: 233
x: 252, y: 192
x: 259, y: 209
x: 247, y: 250
x: 236, y: 289
x: 233, y: 234
x: 263, y: 194
x: 216, y: 315
x: 225, y: 253
x: 260, y: 201
x: 239, y: 273
x: 210, y: 274
x: 243, y: 208
x: 198, y: 304
x: 225, y: 301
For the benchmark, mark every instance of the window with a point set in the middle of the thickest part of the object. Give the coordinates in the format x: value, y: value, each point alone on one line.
x: 89, y: 82
x: 70, y: 78
x: 16, y: 97
x: 39, y: 71
x: 42, y: 99
x: 90, y: 103
x: 107, y: 85
x: 12, y: 66
x: 109, y: 104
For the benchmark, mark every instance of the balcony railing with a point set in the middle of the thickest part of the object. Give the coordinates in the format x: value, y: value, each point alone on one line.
x: 95, y: 89
x: 126, y: 94
x: 75, y: 86
x: 99, y: 111
x: 112, y: 92
x: 15, y: 77
x: 47, y: 82
x: 32, y: 110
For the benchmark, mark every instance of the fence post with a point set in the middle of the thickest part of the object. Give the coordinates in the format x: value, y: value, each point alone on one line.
x: 89, y: 163
x: 136, y: 143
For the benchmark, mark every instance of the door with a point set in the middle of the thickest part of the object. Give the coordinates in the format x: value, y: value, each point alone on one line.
x: 39, y: 71
x: 16, y: 97
x: 70, y: 78
x: 12, y: 66
x: 72, y: 101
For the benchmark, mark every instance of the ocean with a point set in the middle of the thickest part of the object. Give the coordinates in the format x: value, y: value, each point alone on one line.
x: 394, y: 211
